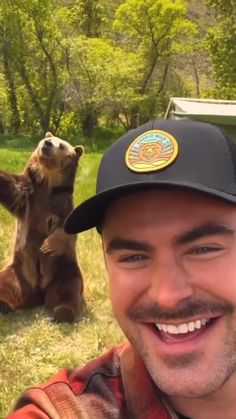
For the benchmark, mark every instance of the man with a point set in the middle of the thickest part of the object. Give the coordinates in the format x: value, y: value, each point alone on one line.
x: 165, y: 208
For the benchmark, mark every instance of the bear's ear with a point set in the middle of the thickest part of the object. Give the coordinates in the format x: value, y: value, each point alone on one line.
x: 48, y: 134
x: 79, y: 149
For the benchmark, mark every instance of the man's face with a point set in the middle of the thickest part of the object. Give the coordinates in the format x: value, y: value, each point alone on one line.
x: 171, y: 262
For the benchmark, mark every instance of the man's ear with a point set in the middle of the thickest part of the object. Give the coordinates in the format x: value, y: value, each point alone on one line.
x: 48, y: 134
x: 79, y: 149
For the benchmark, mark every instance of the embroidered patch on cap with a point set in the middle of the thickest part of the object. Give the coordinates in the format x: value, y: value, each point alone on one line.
x: 153, y: 150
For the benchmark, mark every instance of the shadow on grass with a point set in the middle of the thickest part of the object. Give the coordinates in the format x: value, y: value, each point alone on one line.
x: 12, y: 323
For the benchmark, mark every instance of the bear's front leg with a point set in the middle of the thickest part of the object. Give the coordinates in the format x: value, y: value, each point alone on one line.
x: 14, y: 192
x: 14, y: 293
x: 59, y: 243
x: 64, y: 294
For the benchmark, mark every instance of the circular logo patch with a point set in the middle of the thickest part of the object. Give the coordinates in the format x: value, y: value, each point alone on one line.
x: 153, y: 150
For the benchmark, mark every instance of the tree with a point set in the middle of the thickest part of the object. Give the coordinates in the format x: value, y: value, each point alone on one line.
x: 221, y: 45
x: 87, y: 17
x: 4, y: 111
x: 101, y: 77
x: 158, y: 30
x: 73, y: 63
x: 8, y: 71
x: 34, y: 55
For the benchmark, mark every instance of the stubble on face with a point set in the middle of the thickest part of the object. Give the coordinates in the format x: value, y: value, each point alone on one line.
x: 187, y: 375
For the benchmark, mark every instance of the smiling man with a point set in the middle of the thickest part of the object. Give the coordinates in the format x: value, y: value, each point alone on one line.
x: 165, y: 208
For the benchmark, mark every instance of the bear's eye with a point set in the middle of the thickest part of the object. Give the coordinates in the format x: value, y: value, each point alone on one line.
x: 61, y: 146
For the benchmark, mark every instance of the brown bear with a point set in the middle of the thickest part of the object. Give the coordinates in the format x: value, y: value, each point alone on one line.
x: 44, y: 267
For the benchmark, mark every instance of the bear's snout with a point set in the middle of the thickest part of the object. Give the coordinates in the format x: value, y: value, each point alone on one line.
x: 48, y: 143
x: 47, y: 147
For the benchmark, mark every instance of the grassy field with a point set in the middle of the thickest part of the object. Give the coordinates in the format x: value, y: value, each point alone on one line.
x: 32, y: 347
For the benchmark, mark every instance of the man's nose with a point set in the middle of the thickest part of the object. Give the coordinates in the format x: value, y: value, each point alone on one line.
x: 170, y: 283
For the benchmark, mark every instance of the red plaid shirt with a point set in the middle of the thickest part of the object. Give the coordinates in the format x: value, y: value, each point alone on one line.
x: 113, y: 386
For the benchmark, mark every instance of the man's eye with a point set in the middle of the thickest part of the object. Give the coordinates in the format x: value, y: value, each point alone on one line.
x: 133, y: 258
x: 205, y: 249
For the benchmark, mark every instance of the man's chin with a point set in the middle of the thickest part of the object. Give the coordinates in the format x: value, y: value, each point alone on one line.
x: 185, y: 384
x: 186, y: 391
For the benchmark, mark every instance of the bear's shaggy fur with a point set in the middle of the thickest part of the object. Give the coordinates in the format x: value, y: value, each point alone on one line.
x: 44, y: 267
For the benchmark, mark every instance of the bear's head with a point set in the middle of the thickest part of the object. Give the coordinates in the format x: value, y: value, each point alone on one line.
x: 55, y: 160
x: 53, y: 152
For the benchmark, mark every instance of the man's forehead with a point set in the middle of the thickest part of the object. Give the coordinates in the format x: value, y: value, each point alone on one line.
x: 167, y: 206
x: 163, y: 198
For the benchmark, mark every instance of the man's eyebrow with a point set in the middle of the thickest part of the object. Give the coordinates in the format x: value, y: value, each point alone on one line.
x: 207, y: 229
x: 119, y: 244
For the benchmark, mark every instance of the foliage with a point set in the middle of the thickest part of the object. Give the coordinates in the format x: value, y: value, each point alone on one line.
x: 33, y: 57
x: 158, y: 30
x: 221, y: 45
x: 101, y: 76
x: 154, y: 23
x: 87, y: 16
x: 72, y: 65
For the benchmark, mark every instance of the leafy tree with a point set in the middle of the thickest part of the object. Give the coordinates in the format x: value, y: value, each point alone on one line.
x: 101, y: 77
x: 68, y: 64
x: 221, y: 45
x: 158, y: 30
x: 4, y: 114
x: 8, y: 70
x: 86, y: 17
x: 34, y: 55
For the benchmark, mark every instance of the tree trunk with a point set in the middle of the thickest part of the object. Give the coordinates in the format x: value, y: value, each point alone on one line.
x: 53, y: 88
x: 148, y: 76
x: 196, y: 77
x: 134, y: 118
x: 89, y: 121
x: 15, y: 116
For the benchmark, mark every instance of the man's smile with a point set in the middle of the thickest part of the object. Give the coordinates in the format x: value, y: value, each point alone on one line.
x: 181, y: 332
x: 183, y: 328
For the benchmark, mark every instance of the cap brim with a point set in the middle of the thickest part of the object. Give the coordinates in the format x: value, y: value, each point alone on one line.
x: 90, y: 213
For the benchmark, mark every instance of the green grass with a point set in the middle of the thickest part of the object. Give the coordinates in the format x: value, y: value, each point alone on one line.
x: 32, y: 347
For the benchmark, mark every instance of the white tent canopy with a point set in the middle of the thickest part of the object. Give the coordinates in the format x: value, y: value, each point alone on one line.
x: 208, y: 110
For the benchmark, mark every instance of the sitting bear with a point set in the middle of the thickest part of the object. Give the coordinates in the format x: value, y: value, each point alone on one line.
x: 44, y: 267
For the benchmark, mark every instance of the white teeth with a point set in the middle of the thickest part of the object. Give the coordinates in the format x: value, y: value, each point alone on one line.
x: 198, y: 324
x: 182, y: 328
x: 191, y: 326
x: 172, y: 329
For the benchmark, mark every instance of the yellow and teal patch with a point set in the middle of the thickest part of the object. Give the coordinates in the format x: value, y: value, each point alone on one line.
x: 153, y: 150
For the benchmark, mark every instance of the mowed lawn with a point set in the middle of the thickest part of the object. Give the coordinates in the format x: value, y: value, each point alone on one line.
x: 32, y: 347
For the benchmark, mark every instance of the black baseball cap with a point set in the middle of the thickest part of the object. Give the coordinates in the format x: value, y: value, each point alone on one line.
x: 161, y: 154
